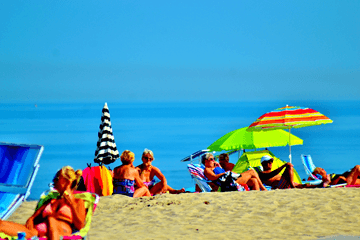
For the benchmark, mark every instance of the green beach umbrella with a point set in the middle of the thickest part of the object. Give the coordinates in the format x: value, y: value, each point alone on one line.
x: 243, y: 139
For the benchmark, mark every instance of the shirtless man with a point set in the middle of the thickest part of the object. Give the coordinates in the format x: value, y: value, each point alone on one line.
x: 147, y: 173
x: 273, y: 178
x: 224, y: 162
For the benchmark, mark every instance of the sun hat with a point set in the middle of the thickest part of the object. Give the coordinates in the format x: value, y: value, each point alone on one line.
x: 266, y: 158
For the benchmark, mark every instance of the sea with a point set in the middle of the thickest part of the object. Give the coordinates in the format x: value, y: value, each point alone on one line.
x: 172, y: 130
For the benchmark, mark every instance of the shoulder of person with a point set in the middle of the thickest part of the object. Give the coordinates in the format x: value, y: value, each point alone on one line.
x: 153, y: 168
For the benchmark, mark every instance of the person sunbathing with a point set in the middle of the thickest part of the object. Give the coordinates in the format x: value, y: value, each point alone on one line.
x: 59, y: 216
x: 351, y: 177
x: 213, y: 172
x: 273, y: 177
x: 224, y: 162
x: 125, y: 177
x: 284, y: 181
x: 147, y: 173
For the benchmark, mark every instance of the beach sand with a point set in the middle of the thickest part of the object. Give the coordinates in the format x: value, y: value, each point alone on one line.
x: 277, y: 214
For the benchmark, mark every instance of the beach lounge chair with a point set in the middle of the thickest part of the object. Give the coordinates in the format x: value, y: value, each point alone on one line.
x: 19, y: 164
x: 195, y: 155
x: 197, y: 174
x: 90, y: 199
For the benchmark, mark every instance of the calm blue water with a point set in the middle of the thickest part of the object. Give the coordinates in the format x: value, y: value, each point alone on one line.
x: 68, y: 131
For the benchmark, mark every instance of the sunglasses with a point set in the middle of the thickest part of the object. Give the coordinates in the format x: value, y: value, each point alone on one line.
x: 148, y: 159
x: 211, y: 159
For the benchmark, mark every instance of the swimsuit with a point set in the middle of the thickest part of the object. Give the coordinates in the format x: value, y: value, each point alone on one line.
x: 64, y: 213
x: 150, y: 184
x: 124, y: 187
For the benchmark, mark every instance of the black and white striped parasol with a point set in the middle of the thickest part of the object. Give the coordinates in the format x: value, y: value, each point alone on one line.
x: 106, y: 151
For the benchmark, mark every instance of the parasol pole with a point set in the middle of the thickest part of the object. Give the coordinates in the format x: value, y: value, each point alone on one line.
x: 290, y: 143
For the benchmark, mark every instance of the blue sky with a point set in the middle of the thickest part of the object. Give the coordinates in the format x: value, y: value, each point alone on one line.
x: 179, y: 50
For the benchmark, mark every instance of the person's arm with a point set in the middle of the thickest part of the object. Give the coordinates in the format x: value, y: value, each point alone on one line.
x: 30, y: 222
x: 209, y: 173
x: 161, y: 177
x: 139, y: 183
x: 264, y: 176
x: 77, y: 208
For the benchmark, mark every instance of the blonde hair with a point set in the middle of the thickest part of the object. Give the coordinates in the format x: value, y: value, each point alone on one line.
x: 148, y: 151
x: 70, y: 174
x: 127, y: 157
x: 205, y: 157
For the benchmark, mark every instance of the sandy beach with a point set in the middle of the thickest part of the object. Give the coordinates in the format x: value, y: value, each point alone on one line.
x: 278, y: 214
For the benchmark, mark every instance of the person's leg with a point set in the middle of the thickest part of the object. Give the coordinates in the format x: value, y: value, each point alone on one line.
x: 174, y: 191
x: 11, y: 229
x: 288, y: 175
x: 338, y: 179
x: 157, y: 188
x: 289, y: 172
x: 142, y: 192
x: 253, y: 184
x: 355, y: 172
x: 246, y: 176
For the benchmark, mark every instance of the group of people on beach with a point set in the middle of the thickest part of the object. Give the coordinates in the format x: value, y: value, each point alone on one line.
x: 255, y: 178
x: 139, y: 181
x: 65, y: 214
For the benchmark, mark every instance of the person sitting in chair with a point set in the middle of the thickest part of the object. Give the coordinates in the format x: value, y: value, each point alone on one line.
x: 59, y: 216
x: 273, y: 177
x: 277, y: 181
x: 351, y: 177
x: 213, y: 172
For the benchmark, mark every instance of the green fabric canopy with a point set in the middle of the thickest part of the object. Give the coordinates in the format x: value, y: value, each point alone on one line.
x: 243, y: 139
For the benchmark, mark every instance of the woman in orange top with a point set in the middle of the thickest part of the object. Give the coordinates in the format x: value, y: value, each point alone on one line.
x: 60, y: 216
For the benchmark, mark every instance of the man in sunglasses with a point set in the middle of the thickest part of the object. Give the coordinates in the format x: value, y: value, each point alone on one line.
x: 273, y: 177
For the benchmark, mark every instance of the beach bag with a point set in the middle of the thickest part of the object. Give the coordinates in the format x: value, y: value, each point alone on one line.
x: 228, y: 182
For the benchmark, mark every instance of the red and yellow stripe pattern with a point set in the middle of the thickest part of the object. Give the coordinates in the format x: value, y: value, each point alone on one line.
x: 289, y: 117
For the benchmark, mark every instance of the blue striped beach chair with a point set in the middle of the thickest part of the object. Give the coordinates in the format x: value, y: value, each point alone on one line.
x: 19, y: 164
x: 197, y: 174
x: 309, y: 169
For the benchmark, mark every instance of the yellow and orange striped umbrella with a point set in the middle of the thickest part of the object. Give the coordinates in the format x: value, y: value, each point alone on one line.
x: 289, y: 117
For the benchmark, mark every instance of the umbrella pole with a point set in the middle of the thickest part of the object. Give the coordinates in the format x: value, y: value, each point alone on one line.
x: 290, y: 143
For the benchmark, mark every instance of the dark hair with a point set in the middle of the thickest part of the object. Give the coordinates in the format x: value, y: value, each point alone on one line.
x: 223, y: 156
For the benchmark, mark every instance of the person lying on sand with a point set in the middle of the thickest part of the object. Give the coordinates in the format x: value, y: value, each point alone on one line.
x: 351, y: 177
x: 213, y: 172
x: 125, y: 177
x: 224, y: 162
x: 147, y: 173
x: 57, y: 217
x: 277, y: 181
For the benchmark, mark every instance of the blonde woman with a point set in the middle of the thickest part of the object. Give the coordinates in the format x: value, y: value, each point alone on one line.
x: 147, y: 173
x: 125, y: 177
x: 57, y: 217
